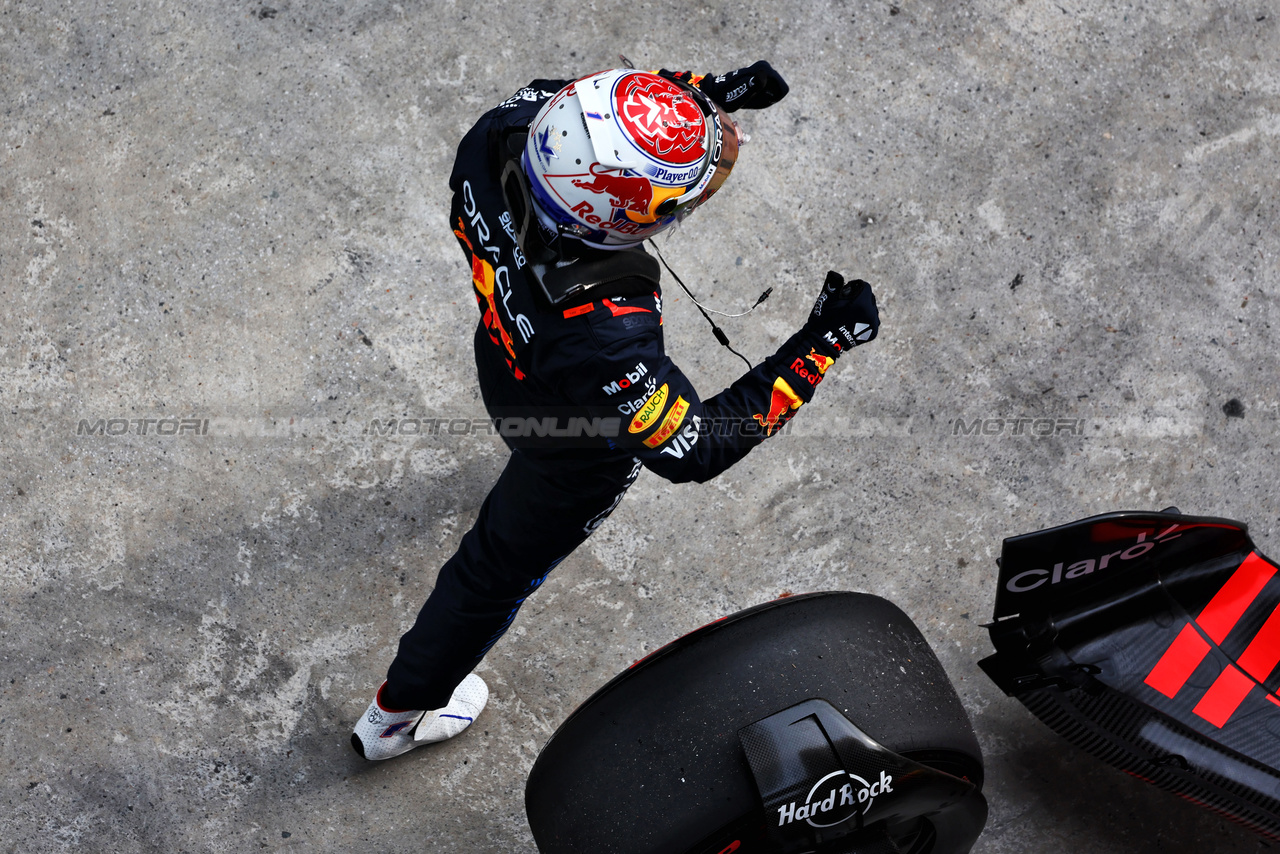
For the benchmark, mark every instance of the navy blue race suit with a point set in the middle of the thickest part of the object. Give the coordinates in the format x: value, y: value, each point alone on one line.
x: 598, y: 369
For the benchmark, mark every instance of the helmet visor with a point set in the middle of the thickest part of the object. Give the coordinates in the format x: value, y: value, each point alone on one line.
x: 724, y: 153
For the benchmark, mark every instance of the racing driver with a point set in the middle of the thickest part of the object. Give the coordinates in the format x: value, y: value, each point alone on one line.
x: 554, y: 191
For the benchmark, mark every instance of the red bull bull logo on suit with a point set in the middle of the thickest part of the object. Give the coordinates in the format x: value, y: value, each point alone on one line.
x: 820, y: 363
x: 783, y: 402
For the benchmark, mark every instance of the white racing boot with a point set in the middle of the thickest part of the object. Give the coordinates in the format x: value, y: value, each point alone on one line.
x: 381, y: 733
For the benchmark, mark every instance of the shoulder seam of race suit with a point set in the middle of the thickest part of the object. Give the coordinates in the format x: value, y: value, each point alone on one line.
x: 605, y: 337
x: 638, y: 339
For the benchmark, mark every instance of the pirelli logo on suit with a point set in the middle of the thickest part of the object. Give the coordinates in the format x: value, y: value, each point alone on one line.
x: 669, y: 425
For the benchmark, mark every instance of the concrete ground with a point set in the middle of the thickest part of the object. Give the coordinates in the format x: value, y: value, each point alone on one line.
x: 223, y: 234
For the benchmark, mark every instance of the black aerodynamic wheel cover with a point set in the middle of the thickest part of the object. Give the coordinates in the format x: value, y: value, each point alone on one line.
x: 651, y: 763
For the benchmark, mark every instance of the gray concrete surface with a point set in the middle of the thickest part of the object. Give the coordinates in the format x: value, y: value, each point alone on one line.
x: 235, y: 215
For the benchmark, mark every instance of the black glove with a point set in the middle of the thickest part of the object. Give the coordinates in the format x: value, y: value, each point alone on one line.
x: 844, y: 316
x: 754, y: 88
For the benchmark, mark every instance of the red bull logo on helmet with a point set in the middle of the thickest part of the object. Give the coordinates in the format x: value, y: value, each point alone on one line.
x: 663, y: 120
x: 625, y: 192
x: 619, y: 223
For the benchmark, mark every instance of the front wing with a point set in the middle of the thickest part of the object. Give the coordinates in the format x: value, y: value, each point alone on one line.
x: 1151, y: 640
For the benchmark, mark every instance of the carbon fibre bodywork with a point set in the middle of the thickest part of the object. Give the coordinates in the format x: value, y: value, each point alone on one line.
x: 1151, y: 640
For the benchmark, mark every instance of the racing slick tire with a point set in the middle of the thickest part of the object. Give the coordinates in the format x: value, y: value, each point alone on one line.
x: 653, y: 761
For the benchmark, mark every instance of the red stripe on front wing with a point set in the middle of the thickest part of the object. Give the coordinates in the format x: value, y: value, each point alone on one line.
x: 1263, y: 653
x: 1177, y: 664
x: 1217, y: 620
x: 1224, y: 697
x: 1224, y: 610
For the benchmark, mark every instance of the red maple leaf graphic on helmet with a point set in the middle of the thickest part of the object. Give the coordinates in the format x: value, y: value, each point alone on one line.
x: 662, y: 119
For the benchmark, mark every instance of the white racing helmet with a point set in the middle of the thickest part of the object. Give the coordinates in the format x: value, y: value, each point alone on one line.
x: 618, y: 156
